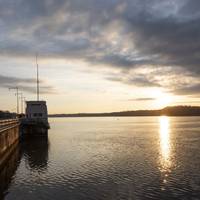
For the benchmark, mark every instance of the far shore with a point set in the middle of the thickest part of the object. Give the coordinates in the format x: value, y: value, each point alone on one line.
x: 167, y: 111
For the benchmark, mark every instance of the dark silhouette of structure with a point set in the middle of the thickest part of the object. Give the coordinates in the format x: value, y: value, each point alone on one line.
x: 7, y: 115
x: 36, y: 152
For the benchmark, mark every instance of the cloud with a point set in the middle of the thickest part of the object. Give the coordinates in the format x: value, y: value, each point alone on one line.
x: 14, y: 80
x: 142, y: 99
x: 138, y: 80
x: 192, y: 89
x: 125, y: 34
x: 25, y: 84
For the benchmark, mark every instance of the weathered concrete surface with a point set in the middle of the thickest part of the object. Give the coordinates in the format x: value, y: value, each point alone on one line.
x: 8, y: 169
x: 8, y: 138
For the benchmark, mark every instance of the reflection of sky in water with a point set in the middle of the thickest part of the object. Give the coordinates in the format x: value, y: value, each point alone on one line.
x: 108, y: 158
x: 165, y: 146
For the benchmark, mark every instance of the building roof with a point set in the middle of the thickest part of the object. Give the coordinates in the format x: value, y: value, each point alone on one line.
x: 36, y: 102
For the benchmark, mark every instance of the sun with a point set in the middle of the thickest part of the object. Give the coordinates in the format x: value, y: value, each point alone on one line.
x: 164, y: 101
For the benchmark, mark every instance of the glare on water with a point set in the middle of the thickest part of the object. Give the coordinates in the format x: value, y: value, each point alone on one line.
x: 165, y: 147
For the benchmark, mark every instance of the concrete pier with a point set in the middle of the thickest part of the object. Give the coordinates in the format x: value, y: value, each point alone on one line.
x: 8, y: 169
x: 9, y: 137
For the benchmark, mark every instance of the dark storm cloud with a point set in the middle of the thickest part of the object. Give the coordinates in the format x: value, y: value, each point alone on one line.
x: 190, y: 7
x: 175, y: 43
x: 24, y: 84
x: 124, y: 34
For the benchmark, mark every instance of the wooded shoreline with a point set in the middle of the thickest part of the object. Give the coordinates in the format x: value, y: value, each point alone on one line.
x: 168, y: 111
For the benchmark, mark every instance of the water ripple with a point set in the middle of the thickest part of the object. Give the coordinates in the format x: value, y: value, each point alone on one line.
x: 105, y: 159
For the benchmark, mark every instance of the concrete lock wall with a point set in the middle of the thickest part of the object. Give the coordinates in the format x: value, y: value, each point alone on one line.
x: 8, y: 170
x: 8, y: 138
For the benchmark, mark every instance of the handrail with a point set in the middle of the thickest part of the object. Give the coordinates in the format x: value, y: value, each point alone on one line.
x: 8, y: 127
x: 8, y: 122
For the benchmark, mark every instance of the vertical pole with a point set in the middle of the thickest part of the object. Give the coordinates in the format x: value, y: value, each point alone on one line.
x: 17, y: 94
x: 37, y: 78
x: 21, y: 97
x: 24, y: 101
x: 22, y: 104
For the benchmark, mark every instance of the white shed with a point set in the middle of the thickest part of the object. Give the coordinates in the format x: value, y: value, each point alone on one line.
x: 36, y: 110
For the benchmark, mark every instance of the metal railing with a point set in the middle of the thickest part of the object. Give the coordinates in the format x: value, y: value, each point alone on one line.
x: 4, y: 124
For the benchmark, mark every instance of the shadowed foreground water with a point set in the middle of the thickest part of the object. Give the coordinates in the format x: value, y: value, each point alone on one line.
x: 108, y: 158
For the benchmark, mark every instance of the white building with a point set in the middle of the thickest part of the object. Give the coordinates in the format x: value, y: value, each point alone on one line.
x: 36, y: 110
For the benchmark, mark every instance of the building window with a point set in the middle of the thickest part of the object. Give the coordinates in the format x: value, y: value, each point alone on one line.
x: 37, y: 115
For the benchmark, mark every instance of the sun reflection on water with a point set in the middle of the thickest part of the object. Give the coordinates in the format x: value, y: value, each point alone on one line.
x: 165, y: 147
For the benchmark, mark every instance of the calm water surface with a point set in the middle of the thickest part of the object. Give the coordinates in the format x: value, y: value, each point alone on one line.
x: 108, y: 159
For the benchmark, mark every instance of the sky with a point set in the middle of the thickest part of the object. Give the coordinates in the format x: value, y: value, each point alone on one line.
x: 101, y: 55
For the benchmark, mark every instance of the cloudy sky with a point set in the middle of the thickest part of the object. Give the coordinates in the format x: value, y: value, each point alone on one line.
x: 101, y: 55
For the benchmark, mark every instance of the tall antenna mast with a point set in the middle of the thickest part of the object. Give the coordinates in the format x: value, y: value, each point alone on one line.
x: 37, y: 78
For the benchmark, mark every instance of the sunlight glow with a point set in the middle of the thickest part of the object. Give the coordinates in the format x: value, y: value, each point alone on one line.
x: 163, y: 99
x: 165, y: 142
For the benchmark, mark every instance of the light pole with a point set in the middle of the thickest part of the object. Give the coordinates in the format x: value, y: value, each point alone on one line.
x: 17, y: 94
x: 24, y: 103
x: 21, y: 97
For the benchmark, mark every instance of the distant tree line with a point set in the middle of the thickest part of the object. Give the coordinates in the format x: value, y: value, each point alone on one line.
x: 168, y: 111
x: 7, y: 115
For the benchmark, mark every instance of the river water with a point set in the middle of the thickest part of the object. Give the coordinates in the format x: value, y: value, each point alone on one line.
x: 131, y: 158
